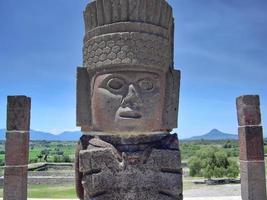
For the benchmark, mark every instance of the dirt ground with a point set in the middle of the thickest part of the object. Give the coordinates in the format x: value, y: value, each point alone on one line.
x: 213, y: 191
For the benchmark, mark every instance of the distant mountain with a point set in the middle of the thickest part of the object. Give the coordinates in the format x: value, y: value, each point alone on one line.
x: 75, y: 135
x: 69, y: 136
x: 215, y: 134
x: 39, y: 135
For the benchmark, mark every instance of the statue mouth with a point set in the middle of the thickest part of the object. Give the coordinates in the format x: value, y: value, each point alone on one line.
x: 130, y: 114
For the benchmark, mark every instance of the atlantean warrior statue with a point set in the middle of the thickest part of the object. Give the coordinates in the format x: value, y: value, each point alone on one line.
x: 127, y: 103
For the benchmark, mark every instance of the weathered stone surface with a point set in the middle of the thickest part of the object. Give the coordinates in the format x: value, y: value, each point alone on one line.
x: 15, y: 183
x: 158, y: 121
x: 99, y: 13
x: 131, y: 100
x: 18, y: 113
x: 253, y: 186
x: 135, y: 177
x: 127, y: 27
x: 172, y: 99
x: 129, y: 49
x: 132, y: 139
x: 127, y: 103
x: 99, y: 158
x: 131, y: 143
x: 140, y: 143
x: 248, y: 110
x: 17, y: 148
x: 251, y: 143
x: 116, y: 42
x: 78, y: 175
x: 83, y: 104
x: 252, y: 165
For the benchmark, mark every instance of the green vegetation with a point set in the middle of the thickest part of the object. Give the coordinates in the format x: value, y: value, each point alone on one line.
x: 204, y: 158
x: 58, y: 151
x: 212, y: 162
x: 45, y: 151
x: 2, y: 153
x: 211, y: 158
x: 189, y: 148
x: 68, y: 190
x: 51, y: 191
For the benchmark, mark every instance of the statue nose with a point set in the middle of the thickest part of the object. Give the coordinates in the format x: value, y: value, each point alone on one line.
x: 132, y: 98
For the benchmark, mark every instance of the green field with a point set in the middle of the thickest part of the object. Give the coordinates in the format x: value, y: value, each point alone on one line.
x: 189, y: 148
x: 49, y: 191
x: 56, y: 152
x: 46, y: 191
x: 68, y: 191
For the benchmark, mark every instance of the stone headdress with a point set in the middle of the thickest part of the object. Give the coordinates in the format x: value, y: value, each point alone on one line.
x: 136, y: 33
x: 128, y: 35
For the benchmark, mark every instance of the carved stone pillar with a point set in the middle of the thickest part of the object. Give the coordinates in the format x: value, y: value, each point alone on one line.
x: 127, y: 103
x: 252, y: 166
x: 17, y: 148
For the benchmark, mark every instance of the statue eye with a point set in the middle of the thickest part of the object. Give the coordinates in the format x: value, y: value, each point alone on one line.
x: 115, y: 83
x: 146, y: 84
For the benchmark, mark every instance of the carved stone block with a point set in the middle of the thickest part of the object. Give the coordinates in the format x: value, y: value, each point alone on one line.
x: 16, y: 180
x: 253, y: 186
x: 127, y: 103
x: 252, y: 165
x: 140, y: 143
x: 248, y: 110
x: 83, y: 102
x: 128, y: 49
x: 251, y: 143
x: 105, y: 177
x: 172, y: 99
x: 131, y: 27
x: 17, y: 148
x: 18, y: 113
x: 99, y: 13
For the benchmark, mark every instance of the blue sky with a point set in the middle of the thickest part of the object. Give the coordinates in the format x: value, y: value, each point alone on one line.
x: 220, y: 47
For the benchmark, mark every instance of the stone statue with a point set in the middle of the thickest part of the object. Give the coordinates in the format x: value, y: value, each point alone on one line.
x: 127, y: 103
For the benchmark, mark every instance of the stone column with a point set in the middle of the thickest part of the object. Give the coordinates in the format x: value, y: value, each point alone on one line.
x: 127, y: 103
x: 17, y: 147
x: 252, y: 166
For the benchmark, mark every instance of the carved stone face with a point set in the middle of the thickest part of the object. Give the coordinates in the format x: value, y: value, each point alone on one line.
x: 127, y: 101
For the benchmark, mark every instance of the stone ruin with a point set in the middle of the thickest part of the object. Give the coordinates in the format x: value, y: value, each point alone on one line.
x: 17, y: 148
x: 127, y: 103
x: 251, y: 144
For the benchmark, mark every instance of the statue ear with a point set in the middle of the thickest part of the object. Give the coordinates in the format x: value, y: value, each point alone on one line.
x: 171, y: 99
x: 83, y: 98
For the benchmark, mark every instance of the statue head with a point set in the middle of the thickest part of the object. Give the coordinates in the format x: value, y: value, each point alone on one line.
x: 128, y: 83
